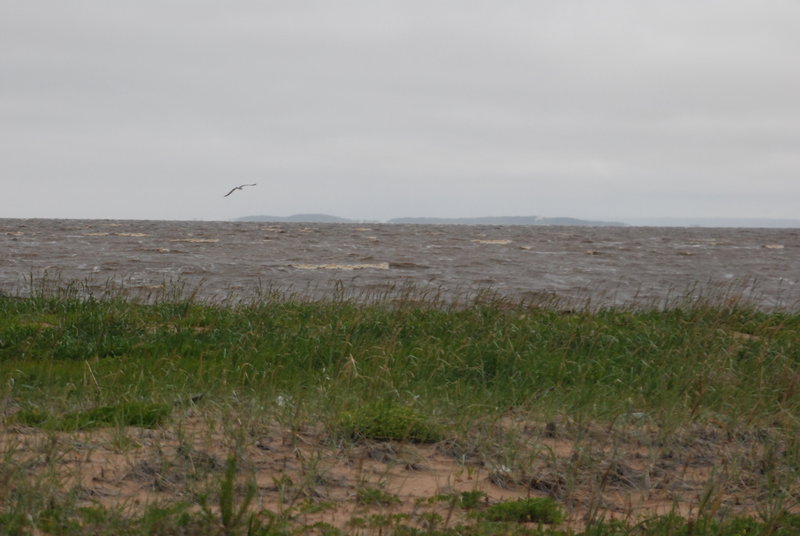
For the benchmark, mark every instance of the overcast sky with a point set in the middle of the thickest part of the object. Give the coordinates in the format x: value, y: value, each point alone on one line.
x: 376, y: 109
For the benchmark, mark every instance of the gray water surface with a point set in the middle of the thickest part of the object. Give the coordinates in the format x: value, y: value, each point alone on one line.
x: 637, y: 266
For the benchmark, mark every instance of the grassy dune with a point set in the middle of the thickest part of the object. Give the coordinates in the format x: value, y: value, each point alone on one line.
x: 681, y: 420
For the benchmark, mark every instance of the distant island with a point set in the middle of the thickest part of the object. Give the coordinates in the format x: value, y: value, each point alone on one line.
x: 488, y: 220
x: 509, y: 220
x: 540, y: 220
x: 768, y: 223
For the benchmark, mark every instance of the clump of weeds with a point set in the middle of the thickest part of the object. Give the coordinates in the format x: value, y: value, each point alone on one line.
x: 533, y: 510
x: 371, y: 496
x: 385, y: 421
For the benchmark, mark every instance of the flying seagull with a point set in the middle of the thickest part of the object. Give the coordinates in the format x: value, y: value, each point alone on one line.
x: 237, y: 188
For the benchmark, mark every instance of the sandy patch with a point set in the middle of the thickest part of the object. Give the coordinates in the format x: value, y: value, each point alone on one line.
x: 626, y: 472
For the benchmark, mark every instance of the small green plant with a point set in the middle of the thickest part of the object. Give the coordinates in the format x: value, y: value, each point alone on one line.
x: 375, y: 496
x: 389, y: 422
x: 32, y: 417
x: 536, y: 510
x: 430, y: 520
x: 230, y: 516
x: 469, y: 500
x: 378, y: 521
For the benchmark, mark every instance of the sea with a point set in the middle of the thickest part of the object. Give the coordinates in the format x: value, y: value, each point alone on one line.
x: 582, y: 266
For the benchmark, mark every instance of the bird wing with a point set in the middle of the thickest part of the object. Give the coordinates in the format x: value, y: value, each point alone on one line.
x: 237, y: 188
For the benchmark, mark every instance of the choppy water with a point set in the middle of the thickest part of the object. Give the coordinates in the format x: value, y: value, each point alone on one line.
x: 642, y: 266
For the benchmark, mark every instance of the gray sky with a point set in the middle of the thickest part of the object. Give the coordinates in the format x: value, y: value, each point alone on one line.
x: 375, y: 109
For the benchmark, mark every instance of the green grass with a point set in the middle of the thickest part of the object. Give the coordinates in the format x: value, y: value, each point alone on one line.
x: 385, y: 421
x: 696, y: 362
x: 178, y: 519
x: 692, y: 363
x: 125, y: 414
x: 375, y: 496
x: 392, y: 371
x: 540, y: 510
